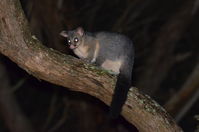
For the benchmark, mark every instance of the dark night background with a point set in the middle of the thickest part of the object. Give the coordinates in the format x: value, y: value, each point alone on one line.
x: 166, y: 39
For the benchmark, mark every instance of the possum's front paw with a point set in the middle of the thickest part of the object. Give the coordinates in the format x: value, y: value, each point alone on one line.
x: 93, y: 60
x: 88, y: 61
x: 112, y: 72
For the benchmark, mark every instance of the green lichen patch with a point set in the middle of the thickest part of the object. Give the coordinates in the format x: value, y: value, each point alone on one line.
x: 96, y: 69
x: 151, y: 106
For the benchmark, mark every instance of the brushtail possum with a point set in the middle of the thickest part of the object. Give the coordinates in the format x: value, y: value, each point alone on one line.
x: 111, y: 51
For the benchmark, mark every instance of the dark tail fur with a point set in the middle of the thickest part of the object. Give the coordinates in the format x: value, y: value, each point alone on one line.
x: 121, y: 90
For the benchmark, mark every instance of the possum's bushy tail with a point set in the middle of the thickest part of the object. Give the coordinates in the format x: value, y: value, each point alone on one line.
x: 121, y: 90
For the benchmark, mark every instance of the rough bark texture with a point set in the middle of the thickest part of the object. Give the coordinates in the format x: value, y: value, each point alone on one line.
x: 17, y: 43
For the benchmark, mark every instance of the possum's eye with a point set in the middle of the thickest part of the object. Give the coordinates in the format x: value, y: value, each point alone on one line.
x: 76, y: 40
x: 69, y: 41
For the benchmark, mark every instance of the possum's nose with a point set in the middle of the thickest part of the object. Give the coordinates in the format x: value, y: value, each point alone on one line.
x: 72, y: 46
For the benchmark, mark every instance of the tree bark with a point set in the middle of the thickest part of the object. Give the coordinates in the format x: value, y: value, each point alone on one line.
x: 17, y: 43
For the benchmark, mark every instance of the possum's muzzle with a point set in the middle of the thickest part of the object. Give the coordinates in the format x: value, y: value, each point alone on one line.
x: 73, y: 46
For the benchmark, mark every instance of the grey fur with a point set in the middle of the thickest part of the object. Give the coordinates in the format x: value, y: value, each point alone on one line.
x: 113, y: 47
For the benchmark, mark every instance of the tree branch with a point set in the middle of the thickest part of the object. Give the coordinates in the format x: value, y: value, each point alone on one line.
x: 17, y: 43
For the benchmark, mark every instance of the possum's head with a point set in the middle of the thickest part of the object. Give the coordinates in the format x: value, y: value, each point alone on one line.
x: 74, y: 37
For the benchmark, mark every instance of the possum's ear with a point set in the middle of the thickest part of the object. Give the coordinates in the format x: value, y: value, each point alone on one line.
x: 80, y: 31
x: 64, y: 34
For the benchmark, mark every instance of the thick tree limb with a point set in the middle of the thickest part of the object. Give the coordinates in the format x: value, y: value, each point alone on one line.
x: 17, y: 43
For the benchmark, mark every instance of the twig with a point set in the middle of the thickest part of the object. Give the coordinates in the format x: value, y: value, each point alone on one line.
x: 161, y: 58
x: 50, y: 113
x: 18, y: 84
x: 61, y: 121
x: 187, y: 106
x: 188, y: 94
x: 196, y: 6
x: 10, y: 112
